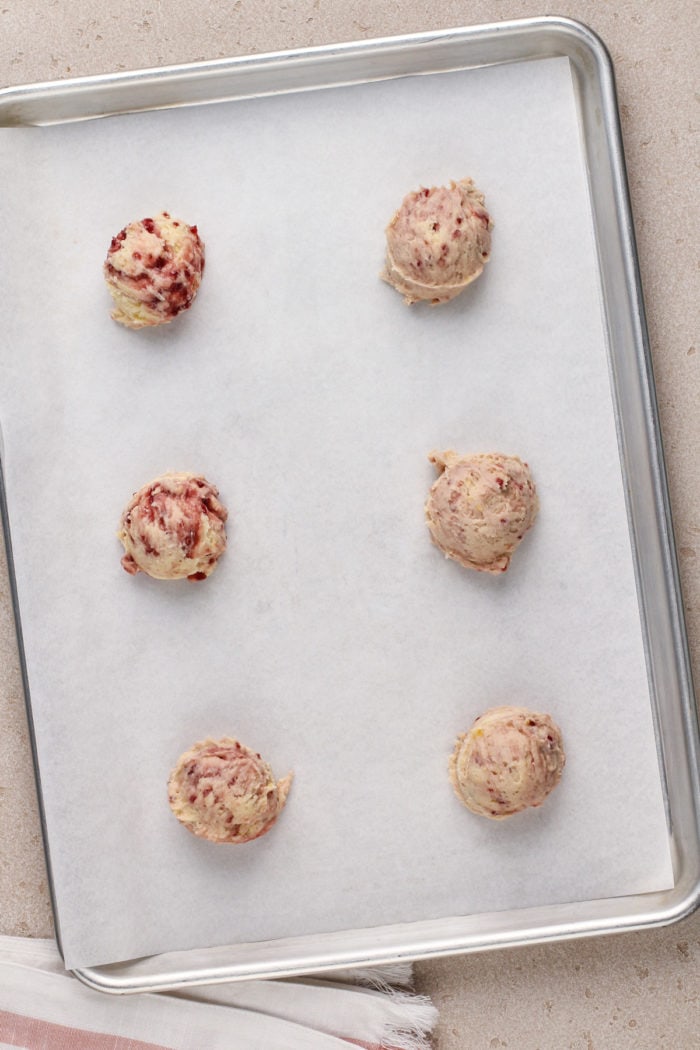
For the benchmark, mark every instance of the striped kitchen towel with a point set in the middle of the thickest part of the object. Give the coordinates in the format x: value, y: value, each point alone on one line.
x: 43, y: 1007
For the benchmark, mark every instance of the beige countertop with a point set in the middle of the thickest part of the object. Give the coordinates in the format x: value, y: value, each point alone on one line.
x: 638, y: 990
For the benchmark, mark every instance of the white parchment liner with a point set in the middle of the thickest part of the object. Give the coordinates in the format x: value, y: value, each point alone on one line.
x: 332, y: 637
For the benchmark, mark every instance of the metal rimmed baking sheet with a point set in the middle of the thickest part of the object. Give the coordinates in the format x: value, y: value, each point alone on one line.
x: 632, y: 412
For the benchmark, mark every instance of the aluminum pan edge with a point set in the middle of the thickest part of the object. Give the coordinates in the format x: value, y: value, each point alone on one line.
x: 220, y: 80
x: 6, y: 545
x: 391, y: 944
x: 657, y: 578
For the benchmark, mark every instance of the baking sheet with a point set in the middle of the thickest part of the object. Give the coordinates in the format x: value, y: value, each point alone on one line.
x: 332, y: 637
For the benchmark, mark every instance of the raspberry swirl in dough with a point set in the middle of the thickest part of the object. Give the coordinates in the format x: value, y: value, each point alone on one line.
x: 224, y: 792
x: 480, y: 508
x: 438, y: 242
x: 510, y: 759
x: 153, y: 270
x: 174, y: 528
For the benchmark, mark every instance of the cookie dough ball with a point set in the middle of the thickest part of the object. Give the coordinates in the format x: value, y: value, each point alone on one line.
x: 480, y: 508
x: 510, y: 759
x: 224, y: 792
x: 174, y: 528
x: 153, y: 270
x: 438, y: 242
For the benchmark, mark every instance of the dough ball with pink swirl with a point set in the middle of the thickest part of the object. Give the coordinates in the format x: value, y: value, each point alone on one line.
x: 153, y: 270
x: 223, y: 791
x: 174, y: 528
x: 480, y: 508
x: 438, y: 242
x: 509, y: 760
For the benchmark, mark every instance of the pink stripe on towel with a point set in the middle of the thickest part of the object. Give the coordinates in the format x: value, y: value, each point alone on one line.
x: 31, y: 1034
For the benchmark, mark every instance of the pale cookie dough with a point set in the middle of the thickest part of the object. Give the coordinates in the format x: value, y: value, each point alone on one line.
x: 153, y: 270
x: 510, y: 759
x: 480, y: 508
x: 174, y: 528
x: 224, y: 792
x: 438, y: 242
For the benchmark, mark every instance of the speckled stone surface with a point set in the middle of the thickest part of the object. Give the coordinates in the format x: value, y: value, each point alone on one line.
x: 638, y: 990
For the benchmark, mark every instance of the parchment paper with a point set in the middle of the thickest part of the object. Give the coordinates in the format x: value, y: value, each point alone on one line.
x: 332, y: 637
